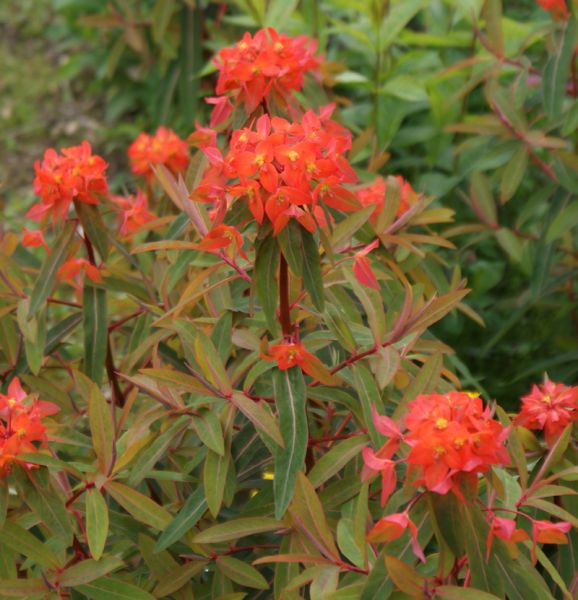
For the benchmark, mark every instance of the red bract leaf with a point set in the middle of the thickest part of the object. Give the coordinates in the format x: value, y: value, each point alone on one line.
x: 392, y: 527
x: 363, y: 272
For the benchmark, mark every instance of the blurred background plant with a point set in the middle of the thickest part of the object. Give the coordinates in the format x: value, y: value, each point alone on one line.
x: 471, y: 101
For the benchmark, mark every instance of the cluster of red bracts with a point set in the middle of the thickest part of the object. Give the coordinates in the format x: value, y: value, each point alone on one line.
x: 21, y: 428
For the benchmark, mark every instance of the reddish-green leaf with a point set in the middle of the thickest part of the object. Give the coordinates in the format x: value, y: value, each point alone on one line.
x: 237, y: 528
x: 141, y: 507
x: 242, y: 573
x: 96, y: 522
x: 107, y: 588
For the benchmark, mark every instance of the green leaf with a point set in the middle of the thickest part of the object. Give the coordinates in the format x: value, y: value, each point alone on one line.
x: 513, y: 174
x: 346, y: 229
x: 369, y: 396
x: 96, y: 522
x: 23, y: 588
x: 89, y: 570
x: 141, y: 507
x: 454, y: 592
x: 261, y: 418
x: 289, y: 239
x: 221, y: 335
x: 279, y: 11
x: 289, y: 393
x: 405, y: 577
x: 482, y: 200
x: 267, y: 286
x: 311, y: 267
x: 209, y: 430
x: 100, y: 421
x: 333, y: 461
x: 214, y: 480
x: 22, y: 541
x: 94, y: 227
x: 399, y: 16
x: 557, y: 72
x: 493, y: 14
x: 47, y: 276
x: 50, y: 508
x: 4, y: 494
x: 107, y: 588
x: 189, y: 515
x: 61, y: 331
x: 178, y: 577
x: 237, y: 528
x: 95, y: 331
x: 241, y: 573
x: 162, y: 13
x: 563, y: 222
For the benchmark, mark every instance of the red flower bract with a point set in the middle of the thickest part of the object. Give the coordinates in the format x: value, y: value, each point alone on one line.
x: 551, y: 407
x: 75, y: 174
x: 165, y: 147
x: 282, y: 169
x: 134, y: 212
x: 558, y: 8
x: 374, y: 195
x: 291, y: 354
x: 21, y: 427
x: 258, y: 66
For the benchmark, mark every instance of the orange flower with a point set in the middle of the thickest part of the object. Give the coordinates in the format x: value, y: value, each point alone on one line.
x: 134, y: 212
x: 165, y: 147
x: 362, y: 267
x: 75, y: 174
x: 506, y: 530
x: 546, y: 532
x: 21, y: 427
x: 223, y: 237
x: 551, y: 407
x: 558, y: 8
x: 73, y: 267
x: 266, y: 64
x: 283, y: 170
x: 374, y: 195
x: 291, y: 354
x: 33, y: 239
x: 391, y: 527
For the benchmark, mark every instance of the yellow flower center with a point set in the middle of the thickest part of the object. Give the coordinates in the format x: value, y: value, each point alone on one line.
x: 21, y: 432
x: 278, y: 47
x: 439, y: 451
x: 292, y: 155
x: 11, y: 402
x: 547, y: 399
x: 242, y: 46
x: 441, y: 423
x: 459, y: 442
x: 260, y: 159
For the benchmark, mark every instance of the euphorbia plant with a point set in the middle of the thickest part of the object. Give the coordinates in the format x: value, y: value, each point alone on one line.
x: 267, y: 352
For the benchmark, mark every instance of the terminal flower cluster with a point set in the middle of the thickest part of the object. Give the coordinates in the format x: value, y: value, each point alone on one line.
x: 258, y: 67
x: 73, y: 174
x: 283, y: 170
x: 165, y: 147
x: 21, y: 427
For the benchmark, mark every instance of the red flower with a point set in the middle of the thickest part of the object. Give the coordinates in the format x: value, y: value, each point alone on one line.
x: 282, y: 169
x: 73, y: 267
x: 266, y: 64
x: 506, y: 530
x: 75, y: 174
x: 291, y: 354
x: 374, y: 195
x: 392, y: 527
x: 546, y: 532
x: 134, y: 212
x: 558, y: 8
x: 223, y: 237
x: 551, y: 407
x: 165, y: 147
x: 21, y: 428
x: 33, y: 239
x: 362, y: 266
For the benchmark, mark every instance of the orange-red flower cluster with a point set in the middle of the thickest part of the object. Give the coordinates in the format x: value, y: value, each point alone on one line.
x: 374, y: 195
x: 74, y: 174
x: 551, y: 407
x: 558, y: 8
x: 291, y: 354
x: 165, y: 147
x: 451, y: 434
x: 21, y: 427
x: 34, y: 239
x: 134, y: 212
x: 448, y: 434
x: 283, y: 170
x: 223, y: 237
x: 266, y: 64
x: 391, y: 527
x: 74, y: 267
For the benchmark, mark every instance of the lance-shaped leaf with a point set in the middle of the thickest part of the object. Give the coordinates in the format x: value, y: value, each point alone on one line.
x: 93, y: 226
x: 95, y: 330
x: 108, y: 588
x: 290, y: 396
x: 96, y: 522
x: 261, y: 418
x: 89, y: 570
x: 311, y: 267
x: 214, y: 479
x: 141, y: 507
x: 333, y: 461
x: 23, y: 588
x: 289, y: 239
x: 22, y: 541
x: 267, y: 286
x: 193, y: 509
x: 47, y: 276
x: 177, y: 578
x: 242, y: 573
x: 100, y: 421
x: 237, y: 528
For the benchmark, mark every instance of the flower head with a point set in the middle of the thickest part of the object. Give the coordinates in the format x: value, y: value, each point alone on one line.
x: 291, y: 354
x: 549, y: 406
x: 374, y: 195
x: 33, y: 239
x: 133, y: 211
x: 74, y: 174
x: 391, y: 527
x: 74, y: 267
x: 165, y: 147
x: 21, y: 427
x: 557, y: 8
x: 223, y: 237
x: 258, y: 67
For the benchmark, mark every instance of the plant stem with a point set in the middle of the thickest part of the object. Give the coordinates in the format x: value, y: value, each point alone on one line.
x: 284, y: 309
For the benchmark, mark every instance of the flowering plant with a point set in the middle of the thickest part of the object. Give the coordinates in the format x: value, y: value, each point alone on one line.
x: 248, y: 398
